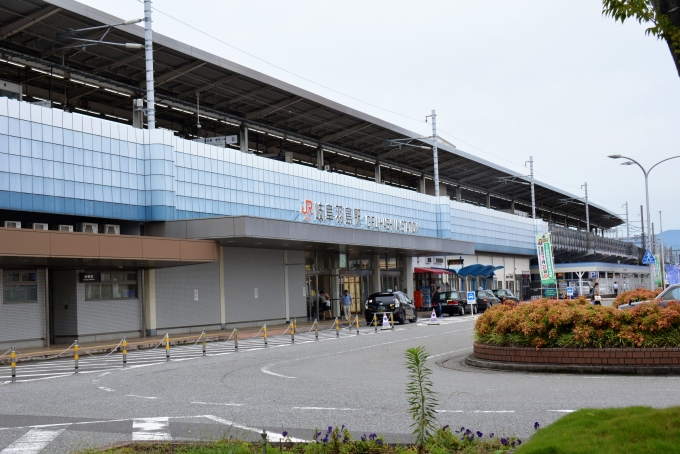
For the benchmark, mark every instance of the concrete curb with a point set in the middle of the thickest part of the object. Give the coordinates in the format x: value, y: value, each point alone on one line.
x: 571, y: 368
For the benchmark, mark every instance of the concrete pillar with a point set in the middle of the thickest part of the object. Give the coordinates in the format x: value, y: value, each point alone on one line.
x: 286, y: 289
x: 408, y: 276
x: 459, y: 193
x: 223, y: 294
x: 378, y: 177
x: 488, y: 200
x: 150, y: 302
x: 319, y: 157
x: 377, y: 287
x: 512, y: 207
x: 47, y: 307
x: 421, y: 184
x: 243, y: 139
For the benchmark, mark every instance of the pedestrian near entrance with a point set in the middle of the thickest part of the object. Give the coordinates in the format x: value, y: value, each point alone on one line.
x: 346, y: 303
x: 616, y: 289
x: 437, y: 301
x: 595, y: 297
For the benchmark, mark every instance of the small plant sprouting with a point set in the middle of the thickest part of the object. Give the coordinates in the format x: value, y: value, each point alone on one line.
x: 421, y: 401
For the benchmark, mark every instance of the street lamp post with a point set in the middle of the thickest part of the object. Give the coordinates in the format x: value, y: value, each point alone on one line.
x: 632, y: 161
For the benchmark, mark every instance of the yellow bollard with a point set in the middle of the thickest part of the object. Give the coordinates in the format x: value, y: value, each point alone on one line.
x: 167, y: 347
x: 203, y: 341
x: 13, y: 358
x: 357, y: 322
x: 375, y: 322
x: 391, y: 320
x: 235, y: 339
x: 75, y: 356
x: 316, y: 330
x: 124, y: 343
x: 337, y: 328
x: 264, y: 329
x: 292, y: 332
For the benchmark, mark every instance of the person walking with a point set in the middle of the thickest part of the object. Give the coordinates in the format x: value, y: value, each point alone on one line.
x: 346, y: 300
x: 595, y: 297
x: 616, y: 289
x: 436, y: 299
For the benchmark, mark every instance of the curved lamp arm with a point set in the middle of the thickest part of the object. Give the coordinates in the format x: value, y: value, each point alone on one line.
x: 639, y: 165
x: 667, y: 159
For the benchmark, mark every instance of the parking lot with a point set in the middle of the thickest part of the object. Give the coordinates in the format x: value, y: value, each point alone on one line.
x: 355, y: 380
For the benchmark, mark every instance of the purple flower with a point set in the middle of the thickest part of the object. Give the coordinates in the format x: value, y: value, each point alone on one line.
x: 513, y: 444
x: 491, y: 436
x: 318, y: 434
x: 479, y: 434
x: 445, y: 427
x: 285, y: 433
x: 504, y: 441
x: 536, y: 425
x: 363, y: 437
x: 343, y: 427
x: 378, y: 442
x: 325, y: 440
x: 330, y: 429
x: 519, y: 442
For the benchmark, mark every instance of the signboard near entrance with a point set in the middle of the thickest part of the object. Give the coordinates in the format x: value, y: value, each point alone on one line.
x: 471, y: 297
x: 546, y: 266
x: 89, y: 277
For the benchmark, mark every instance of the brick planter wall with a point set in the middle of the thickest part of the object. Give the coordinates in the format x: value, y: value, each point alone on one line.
x: 581, y: 356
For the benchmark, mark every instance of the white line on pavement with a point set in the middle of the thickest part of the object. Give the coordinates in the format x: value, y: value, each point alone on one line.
x: 493, y: 411
x: 217, y: 403
x: 104, y: 388
x: 151, y: 429
x: 324, y: 408
x: 266, y: 370
x: 32, y: 442
x: 448, y: 353
x: 141, y: 397
x: 272, y: 436
x: 562, y: 411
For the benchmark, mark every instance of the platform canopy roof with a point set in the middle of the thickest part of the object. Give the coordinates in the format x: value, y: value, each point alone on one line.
x: 102, y: 80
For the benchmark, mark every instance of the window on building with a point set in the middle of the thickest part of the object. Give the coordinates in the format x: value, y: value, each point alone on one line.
x: 113, y: 285
x: 20, y: 286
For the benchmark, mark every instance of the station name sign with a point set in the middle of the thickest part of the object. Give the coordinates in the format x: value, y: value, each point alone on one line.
x: 340, y: 215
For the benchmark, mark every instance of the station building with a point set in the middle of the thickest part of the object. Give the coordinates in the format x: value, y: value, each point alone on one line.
x: 111, y: 229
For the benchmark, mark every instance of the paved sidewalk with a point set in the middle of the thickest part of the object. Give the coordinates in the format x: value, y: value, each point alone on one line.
x: 141, y: 343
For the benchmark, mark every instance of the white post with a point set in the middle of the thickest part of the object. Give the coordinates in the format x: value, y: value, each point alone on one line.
x: 585, y: 185
x: 663, y: 259
x: 435, y: 157
x: 148, y: 46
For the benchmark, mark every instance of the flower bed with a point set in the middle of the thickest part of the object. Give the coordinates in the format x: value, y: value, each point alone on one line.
x: 631, y: 296
x: 578, y: 324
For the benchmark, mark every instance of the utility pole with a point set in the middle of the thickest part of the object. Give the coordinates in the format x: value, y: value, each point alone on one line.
x: 663, y: 259
x: 627, y: 224
x: 148, y: 46
x: 435, y: 156
x: 642, y: 227
x: 585, y: 185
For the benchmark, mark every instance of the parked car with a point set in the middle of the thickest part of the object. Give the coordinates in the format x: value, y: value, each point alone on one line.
x: 504, y: 295
x: 486, y: 299
x: 453, y: 302
x: 672, y: 293
x: 395, y: 303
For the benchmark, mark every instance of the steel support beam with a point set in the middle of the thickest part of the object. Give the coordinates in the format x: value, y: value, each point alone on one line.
x: 18, y: 25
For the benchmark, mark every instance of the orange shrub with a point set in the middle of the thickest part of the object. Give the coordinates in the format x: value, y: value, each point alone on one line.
x: 577, y: 323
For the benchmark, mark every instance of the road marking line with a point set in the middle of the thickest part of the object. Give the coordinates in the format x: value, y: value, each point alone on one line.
x: 104, y: 388
x: 216, y: 403
x: 141, y: 397
x: 562, y: 411
x: 151, y: 429
x: 448, y: 353
x: 271, y: 436
x: 32, y: 442
x: 267, y: 371
x: 324, y: 408
x: 449, y: 411
x: 493, y: 411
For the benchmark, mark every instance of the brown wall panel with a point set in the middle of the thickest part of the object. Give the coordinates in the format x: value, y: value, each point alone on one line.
x: 114, y: 246
x: 24, y: 242
x: 74, y: 244
x: 199, y: 250
x: 160, y: 249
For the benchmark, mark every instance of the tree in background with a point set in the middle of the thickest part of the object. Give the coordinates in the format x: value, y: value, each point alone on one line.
x: 661, y: 16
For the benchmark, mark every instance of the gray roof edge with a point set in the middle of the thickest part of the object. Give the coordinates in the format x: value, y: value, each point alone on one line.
x: 165, y: 41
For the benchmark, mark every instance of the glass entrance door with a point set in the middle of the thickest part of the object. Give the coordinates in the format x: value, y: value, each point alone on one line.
x: 389, y: 283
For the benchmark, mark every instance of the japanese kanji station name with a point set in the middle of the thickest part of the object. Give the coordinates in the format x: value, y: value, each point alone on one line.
x: 351, y: 217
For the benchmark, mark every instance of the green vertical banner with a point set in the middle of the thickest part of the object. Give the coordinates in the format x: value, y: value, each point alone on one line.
x: 546, y: 266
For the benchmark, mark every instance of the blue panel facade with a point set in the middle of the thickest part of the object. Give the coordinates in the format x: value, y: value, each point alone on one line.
x: 57, y: 162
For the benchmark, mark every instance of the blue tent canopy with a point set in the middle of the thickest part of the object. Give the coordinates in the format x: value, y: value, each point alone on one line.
x: 478, y: 270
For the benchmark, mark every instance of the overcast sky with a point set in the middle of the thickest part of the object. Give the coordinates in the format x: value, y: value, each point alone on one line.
x: 555, y: 80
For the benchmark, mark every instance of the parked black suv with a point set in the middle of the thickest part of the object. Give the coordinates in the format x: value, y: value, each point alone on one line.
x: 453, y: 302
x: 504, y: 295
x: 390, y: 302
x: 486, y: 299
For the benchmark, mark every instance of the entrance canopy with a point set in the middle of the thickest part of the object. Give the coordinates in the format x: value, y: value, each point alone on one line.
x: 477, y: 270
x: 433, y: 271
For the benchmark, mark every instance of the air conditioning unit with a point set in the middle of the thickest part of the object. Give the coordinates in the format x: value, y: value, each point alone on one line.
x: 39, y: 226
x: 109, y: 229
x: 12, y: 224
x: 327, y: 167
x: 64, y: 228
x: 88, y: 227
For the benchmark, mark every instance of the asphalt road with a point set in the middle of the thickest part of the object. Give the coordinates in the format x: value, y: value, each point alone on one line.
x: 358, y: 381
